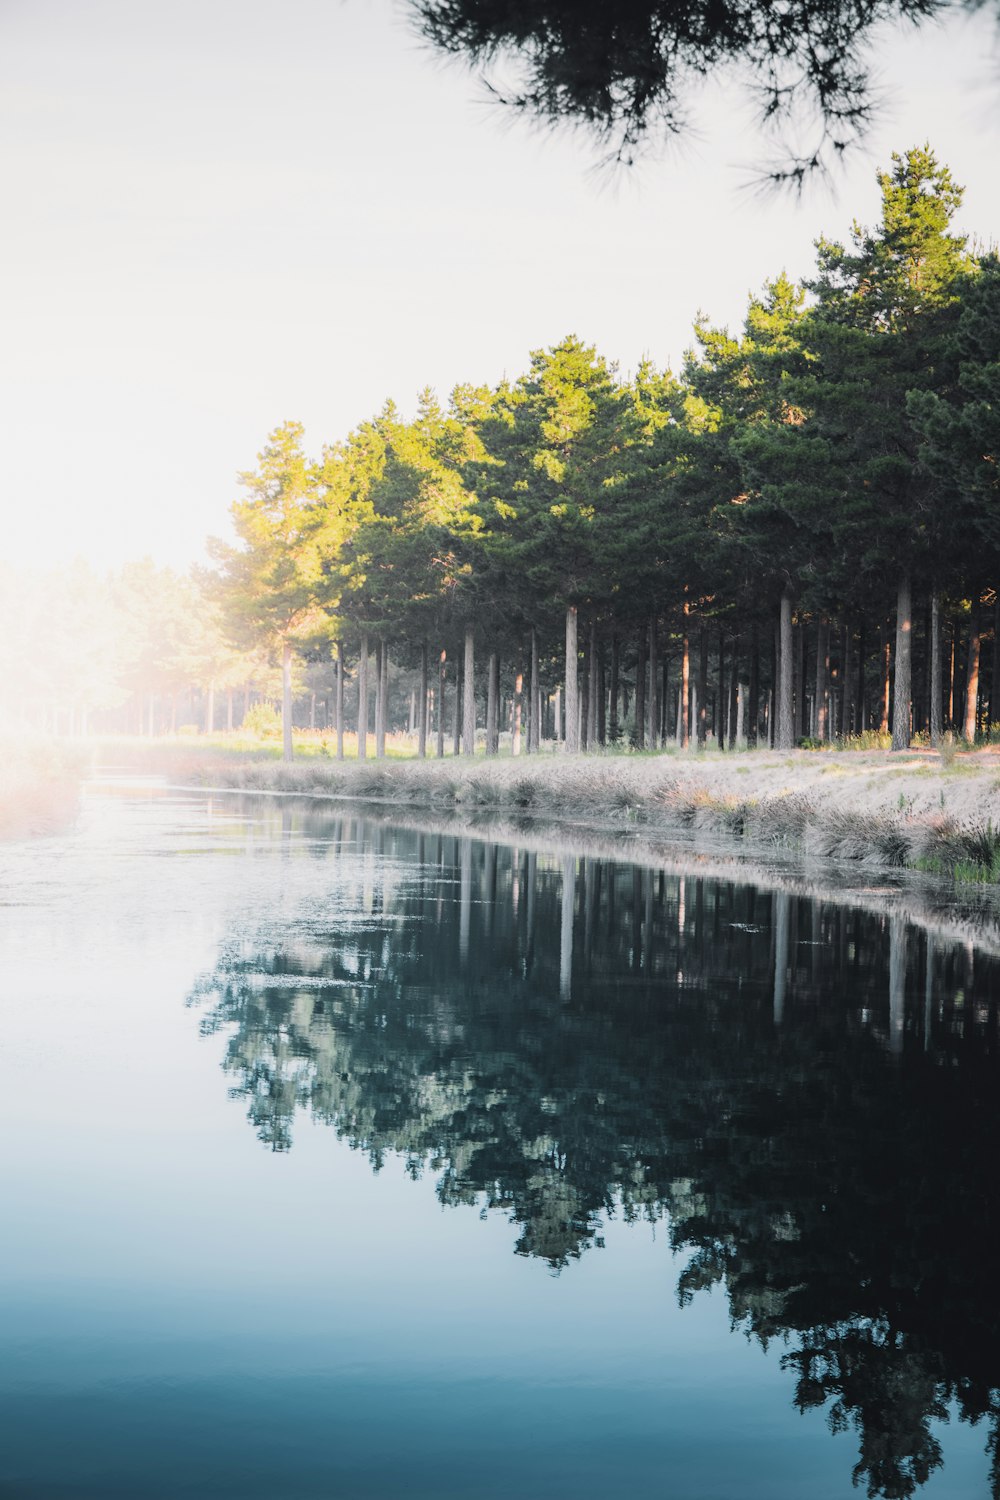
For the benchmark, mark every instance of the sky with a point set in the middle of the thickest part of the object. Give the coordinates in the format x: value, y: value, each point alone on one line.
x: 223, y: 214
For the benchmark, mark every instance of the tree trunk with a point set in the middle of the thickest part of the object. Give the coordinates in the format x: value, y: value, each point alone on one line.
x: 572, y: 705
x: 823, y: 679
x: 602, y: 711
x: 951, y: 678
x: 456, y: 724
x: 363, y: 698
x: 286, y: 700
x: 885, y: 662
x: 229, y: 710
x: 613, y: 726
x: 210, y: 710
x: 340, y: 700
x: 904, y: 665
x: 442, y: 668
x: 515, y: 739
x: 972, y: 677
x: 422, y: 705
x: 654, y: 688
x: 492, y: 704
x: 557, y: 719
x: 534, y: 698
x: 640, y: 693
x: 753, y: 690
x: 685, y: 698
x: 785, y: 724
x: 935, y: 692
x: 469, y: 694
x: 732, y: 731
x: 312, y: 711
x: 800, y: 680
x: 592, y: 714
x: 702, y: 688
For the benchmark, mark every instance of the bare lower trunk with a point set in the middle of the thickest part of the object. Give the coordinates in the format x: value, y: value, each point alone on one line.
x: 363, y: 698
x: 229, y: 710
x: 640, y: 693
x: 822, y: 679
x: 286, y: 700
x: 340, y: 700
x: 469, y: 694
x: 785, y: 725
x: 515, y: 739
x: 422, y: 705
x: 382, y: 699
x: 572, y: 706
x: 534, y: 698
x: 685, y: 698
x: 885, y: 656
x: 210, y: 710
x: 935, y: 690
x: 492, y: 704
x: 702, y: 688
x: 456, y: 723
x: 904, y: 655
x: 654, y: 688
x: 442, y: 664
x: 753, y: 691
x: 972, y: 678
x: 613, y: 729
x: 592, y: 687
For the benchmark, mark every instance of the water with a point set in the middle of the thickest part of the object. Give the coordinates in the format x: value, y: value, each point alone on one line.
x: 350, y: 1161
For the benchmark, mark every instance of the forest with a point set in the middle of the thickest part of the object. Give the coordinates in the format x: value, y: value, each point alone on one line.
x: 795, y: 539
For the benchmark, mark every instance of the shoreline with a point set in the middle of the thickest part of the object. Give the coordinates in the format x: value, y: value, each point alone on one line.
x: 896, y: 834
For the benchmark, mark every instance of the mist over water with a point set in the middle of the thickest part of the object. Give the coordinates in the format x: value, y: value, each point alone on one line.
x: 354, y: 1160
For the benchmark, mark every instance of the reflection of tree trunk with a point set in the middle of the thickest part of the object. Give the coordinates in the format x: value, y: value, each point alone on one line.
x: 928, y: 991
x: 647, y: 921
x: 530, y: 880
x: 465, y: 899
x: 566, y: 927
x: 897, y: 983
x: 286, y: 700
x: 782, y: 905
x: 363, y: 698
x: 572, y: 706
x: 904, y: 656
x: 489, y: 895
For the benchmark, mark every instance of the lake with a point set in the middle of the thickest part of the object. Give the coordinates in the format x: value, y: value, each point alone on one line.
x: 353, y: 1160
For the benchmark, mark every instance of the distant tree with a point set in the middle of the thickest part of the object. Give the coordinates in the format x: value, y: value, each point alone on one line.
x: 268, y: 583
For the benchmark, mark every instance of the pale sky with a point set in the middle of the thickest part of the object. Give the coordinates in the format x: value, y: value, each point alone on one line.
x: 224, y: 213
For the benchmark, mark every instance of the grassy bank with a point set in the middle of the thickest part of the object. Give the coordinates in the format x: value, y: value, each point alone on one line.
x: 39, y: 785
x: 874, y: 810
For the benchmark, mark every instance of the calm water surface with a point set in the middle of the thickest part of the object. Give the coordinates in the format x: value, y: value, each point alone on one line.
x: 343, y: 1161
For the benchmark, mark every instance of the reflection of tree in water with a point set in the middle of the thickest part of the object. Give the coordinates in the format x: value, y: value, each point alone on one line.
x: 807, y: 1092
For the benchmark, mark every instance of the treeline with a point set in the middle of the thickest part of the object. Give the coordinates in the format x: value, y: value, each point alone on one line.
x: 795, y: 536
